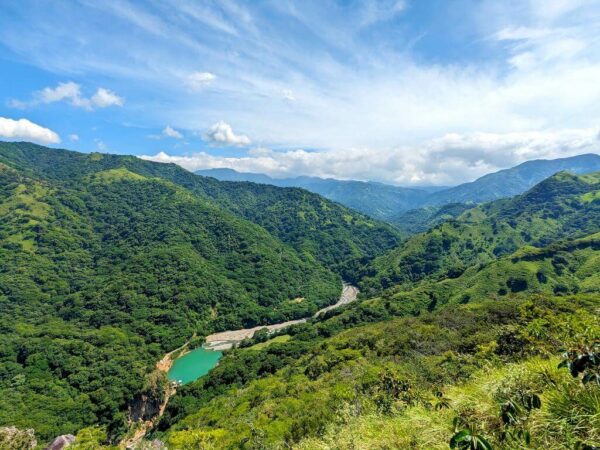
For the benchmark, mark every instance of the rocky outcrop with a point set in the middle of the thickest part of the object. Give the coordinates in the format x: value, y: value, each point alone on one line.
x: 11, y: 438
x: 61, y: 442
x: 144, y: 407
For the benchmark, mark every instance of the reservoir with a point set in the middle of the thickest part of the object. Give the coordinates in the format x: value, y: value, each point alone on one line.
x: 198, y: 362
x: 193, y: 365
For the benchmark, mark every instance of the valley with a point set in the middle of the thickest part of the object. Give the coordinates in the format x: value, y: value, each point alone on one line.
x: 225, y: 340
x: 299, y: 225
x: 284, y: 355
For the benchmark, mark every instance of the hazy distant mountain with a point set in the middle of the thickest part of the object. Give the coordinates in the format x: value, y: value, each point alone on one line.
x: 514, y: 181
x: 386, y: 202
x: 381, y: 201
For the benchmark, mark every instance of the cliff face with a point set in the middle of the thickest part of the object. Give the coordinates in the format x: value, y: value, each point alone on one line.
x: 146, y: 405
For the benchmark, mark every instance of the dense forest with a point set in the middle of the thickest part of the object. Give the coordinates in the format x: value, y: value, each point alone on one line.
x: 481, y: 331
x: 499, y: 351
x: 105, y: 269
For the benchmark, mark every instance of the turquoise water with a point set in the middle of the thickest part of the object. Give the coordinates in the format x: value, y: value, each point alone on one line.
x: 193, y: 365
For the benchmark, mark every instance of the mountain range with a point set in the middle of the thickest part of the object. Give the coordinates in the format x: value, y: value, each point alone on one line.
x: 480, y: 328
x: 388, y: 203
x: 459, y: 336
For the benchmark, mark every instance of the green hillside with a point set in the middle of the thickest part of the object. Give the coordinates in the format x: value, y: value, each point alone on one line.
x: 318, y: 228
x: 377, y: 200
x: 108, y: 262
x: 422, y: 219
x: 514, y: 181
x: 397, y: 205
x: 101, y: 277
x: 472, y: 352
x: 404, y: 383
x: 563, y: 206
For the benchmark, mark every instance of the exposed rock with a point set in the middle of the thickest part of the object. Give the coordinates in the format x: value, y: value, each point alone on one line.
x: 144, y: 407
x: 147, y: 404
x: 61, y: 442
x: 11, y: 438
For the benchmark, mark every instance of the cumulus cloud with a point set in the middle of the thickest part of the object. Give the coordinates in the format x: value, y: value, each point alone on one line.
x: 104, y: 98
x: 74, y: 137
x: 221, y: 133
x: 199, y: 80
x: 23, y: 129
x: 447, y: 160
x: 171, y: 132
x: 70, y: 92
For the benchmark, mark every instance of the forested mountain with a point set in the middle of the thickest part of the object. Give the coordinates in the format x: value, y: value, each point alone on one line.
x: 487, y: 369
x: 422, y: 219
x: 559, y: 207
x: 378, y: 200
x: 467, y: 350
x: 108, y: 262
x: 327, y: 231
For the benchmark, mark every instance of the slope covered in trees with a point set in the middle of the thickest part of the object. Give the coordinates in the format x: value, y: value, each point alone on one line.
x: 562, y: 206
x: 409, y: 382
x: 108, y: 262
x: 516, y: 180
x: 378, y: 200
x: 321, y: 229
x: 389, y: 203
x: 472, y: 354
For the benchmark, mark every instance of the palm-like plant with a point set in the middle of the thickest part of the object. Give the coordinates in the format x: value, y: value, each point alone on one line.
x: 467, y: 439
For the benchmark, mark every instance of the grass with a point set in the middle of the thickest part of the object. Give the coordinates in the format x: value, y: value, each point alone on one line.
x: 118, y: 174
x: 279, y: 339
x: 477, y: 402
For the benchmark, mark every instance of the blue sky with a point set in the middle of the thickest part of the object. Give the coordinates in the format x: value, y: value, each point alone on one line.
x: 410, y: 92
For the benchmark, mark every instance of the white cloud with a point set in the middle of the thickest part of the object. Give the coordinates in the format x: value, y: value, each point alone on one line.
x: 199, y: 80
x: 380, y: 10
x: 521, y: 33
x: 100, y: 145
x: 288, y: 95
x: 104, y: 98
x: 222, y: 133
x: 171, y: 132
x: 70, y: 92
x: 74, y: 137
x: 374, y: 97
x: 448, y: 160
x: 23, y: 129
x: 64, y: 91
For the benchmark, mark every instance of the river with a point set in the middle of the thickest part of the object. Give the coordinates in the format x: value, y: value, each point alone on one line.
x: 192, y: 365
x: 198, y: 362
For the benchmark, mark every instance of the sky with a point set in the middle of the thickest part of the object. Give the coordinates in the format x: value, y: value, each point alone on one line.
x: 406, y: 92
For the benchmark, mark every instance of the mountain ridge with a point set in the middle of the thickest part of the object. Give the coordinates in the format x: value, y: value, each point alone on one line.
x: 388, y: 202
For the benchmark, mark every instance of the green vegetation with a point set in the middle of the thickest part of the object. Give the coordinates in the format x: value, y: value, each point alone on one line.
x: 464, y: 355
x: 396, y: 204
x: 490, y: 368
x: 109, y: 262
x: 315, y: 227
x: 422, y: 219
x: 482, y: 332
x: 551, y: 211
